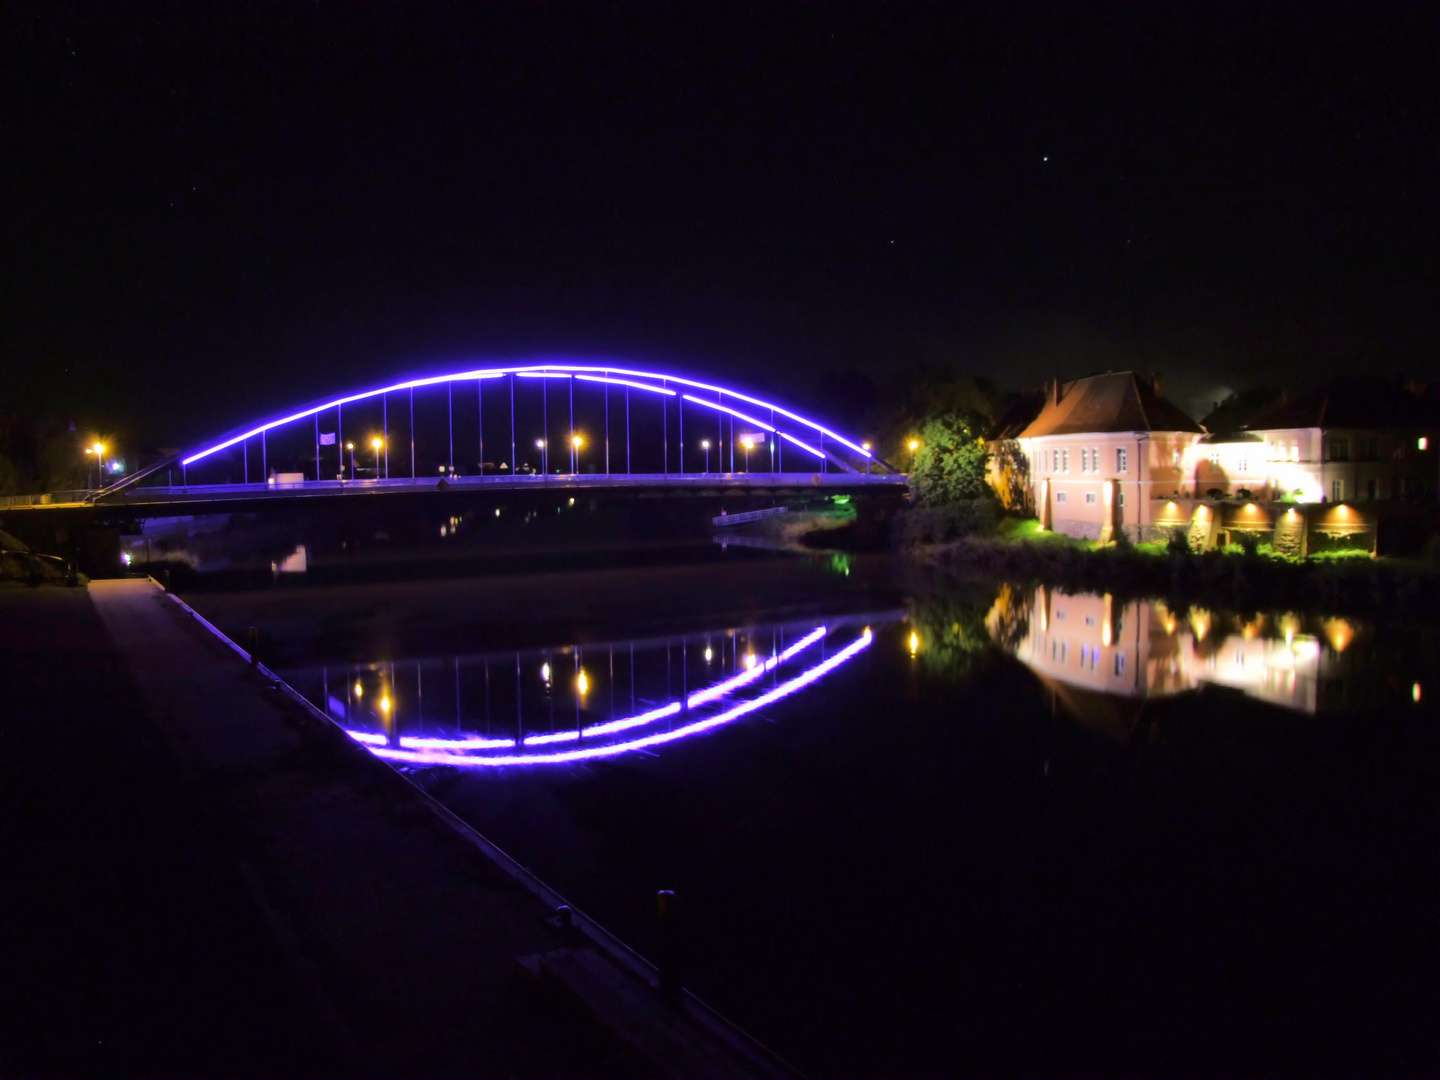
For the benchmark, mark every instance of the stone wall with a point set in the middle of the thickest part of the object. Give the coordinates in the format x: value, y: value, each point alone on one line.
x: 1080, y: 530
x: 1289, y: 537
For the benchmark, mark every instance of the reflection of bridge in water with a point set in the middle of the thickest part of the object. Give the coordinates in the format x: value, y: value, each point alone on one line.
x: 513, y: 427
x: 1103, y: 660
x: 577, y: 703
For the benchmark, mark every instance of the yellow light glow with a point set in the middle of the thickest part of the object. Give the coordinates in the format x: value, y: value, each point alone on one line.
x: 359, y: 690
x: 99, y: 448
x: 704, y: 444
x: 545, y: 672
x: 750, y: 660
x: 582, y: 683
x: 1339, y: 633
x: 1415, y: 693
x: 864, y: 446
x: 914, y: 643
x: 384, y: 704
x: 1423, y: 444
x: 578, y: 441
x: 914, y: 445
x: 1199, y: 623
x: 1107, y: 634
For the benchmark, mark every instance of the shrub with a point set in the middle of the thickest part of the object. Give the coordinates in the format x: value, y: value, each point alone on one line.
x: 1179, y: 542
x: 1215, y: 493
x: 1248, y: 543
x: 1244, y: 493
x: 954, y: 521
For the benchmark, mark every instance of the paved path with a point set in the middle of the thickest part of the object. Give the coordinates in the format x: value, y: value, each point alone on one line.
x: 199, y: 879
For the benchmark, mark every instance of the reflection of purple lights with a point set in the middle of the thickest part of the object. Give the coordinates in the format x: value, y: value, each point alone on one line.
x: 720, y: 689
x: 659, y: 738
x: 700, y: 697
x: 541, y: 370
x: 727, y: 409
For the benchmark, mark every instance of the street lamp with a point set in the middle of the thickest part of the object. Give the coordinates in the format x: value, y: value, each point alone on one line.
x: 377, y: 443
x: 351, y: 447
x: 705, y: 445
x: 914, y: 445
x: 576, y: 441
x: 747, y: 441
x: 99, y: 449
x: 866, y: 447
x: 544, y: 457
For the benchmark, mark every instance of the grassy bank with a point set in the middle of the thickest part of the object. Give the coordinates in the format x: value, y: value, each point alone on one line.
x: 1343, y: 582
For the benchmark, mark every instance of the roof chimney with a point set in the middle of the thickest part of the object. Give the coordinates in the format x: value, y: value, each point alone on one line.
x: 1055, y: 391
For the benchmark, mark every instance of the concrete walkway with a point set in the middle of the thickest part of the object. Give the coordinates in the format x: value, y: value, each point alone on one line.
x: 198, y: 878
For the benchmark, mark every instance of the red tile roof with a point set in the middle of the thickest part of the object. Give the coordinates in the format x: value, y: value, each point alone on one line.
x: 1118, y: 401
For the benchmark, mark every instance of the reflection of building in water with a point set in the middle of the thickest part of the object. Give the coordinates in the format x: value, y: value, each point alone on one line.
x: 1104, y: 659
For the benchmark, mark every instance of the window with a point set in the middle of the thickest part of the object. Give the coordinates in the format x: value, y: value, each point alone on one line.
x: 1372, y: 489
x: 1370, y: 449
x: 1055, y: 461
x: 1214, y: 457
x: 1122, y: 499
x: 1294, y: 451
x: 1122, y: 460
x: 1339, y: 449
x: 1337, y: 491
x: 1119, y: 663
x: 1243, y: 463
x: 1089, y: 620
x: 1091, y: 498
x: 1065, y: 461
x: 1060, y: 498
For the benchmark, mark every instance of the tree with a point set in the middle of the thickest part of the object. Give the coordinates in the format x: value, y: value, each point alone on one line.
x: 950, y: 462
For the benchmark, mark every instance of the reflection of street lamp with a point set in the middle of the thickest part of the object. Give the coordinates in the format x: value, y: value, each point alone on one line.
x: 914, y: 445
x: 576, y: 441
x: 544, y: 458
x: 747, y: 441
x: 351, y: 447
x: 377, y: 443
x: 705, y: 445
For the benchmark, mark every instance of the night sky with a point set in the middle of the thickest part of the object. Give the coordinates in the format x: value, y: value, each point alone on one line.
x: 214, y: 210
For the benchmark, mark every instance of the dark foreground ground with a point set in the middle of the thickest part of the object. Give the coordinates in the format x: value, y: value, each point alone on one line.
x: 196, y: 882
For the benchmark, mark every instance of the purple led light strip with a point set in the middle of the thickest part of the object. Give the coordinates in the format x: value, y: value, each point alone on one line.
x: 626, y: 382
x: 559, y: 370
x: 732, y: 412
x: 659, y: 738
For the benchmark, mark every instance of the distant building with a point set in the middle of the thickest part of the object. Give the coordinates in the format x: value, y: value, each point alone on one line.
x: 1355, y: 439
x: 1100, y: 453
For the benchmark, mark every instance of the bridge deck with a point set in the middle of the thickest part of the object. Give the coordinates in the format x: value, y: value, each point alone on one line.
x: 831, y: 482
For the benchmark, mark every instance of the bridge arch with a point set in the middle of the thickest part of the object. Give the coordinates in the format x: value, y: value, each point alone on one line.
x: 722, y: 420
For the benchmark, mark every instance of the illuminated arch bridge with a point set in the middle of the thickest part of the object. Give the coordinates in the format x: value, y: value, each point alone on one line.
x: 518, y: 425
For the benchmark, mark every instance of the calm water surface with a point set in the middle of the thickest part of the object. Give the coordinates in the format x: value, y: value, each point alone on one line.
x: 930, y: 830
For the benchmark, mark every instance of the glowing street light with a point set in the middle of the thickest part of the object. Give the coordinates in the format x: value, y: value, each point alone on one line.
x: 576, y: 442
x: 582, y: 683
x: 705, y: 445
x: 351, y: 447
x: 377, y: 443
x: 866, y: 447
x: 747, y: 441
x: 544, y: 455
x: 914, y: 445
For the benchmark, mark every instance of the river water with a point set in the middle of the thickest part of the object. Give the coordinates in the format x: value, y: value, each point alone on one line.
x: 921, y: 827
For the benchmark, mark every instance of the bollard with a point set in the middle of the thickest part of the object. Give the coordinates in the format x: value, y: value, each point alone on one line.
x: 669, y: 944
x: 253, y: 637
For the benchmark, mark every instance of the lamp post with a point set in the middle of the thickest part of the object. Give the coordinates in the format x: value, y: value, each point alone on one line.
x: 351, y: 447
x: 377, y: 443
x: 99, y: 449
x: 866, y: 447
x: 747, y: 441
x: 914, y: 445
x: 544, y: 457
x: 576, y: 441
x: 705, y: 445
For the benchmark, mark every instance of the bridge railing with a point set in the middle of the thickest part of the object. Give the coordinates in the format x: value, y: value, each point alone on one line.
x: 749, y: 515
x: 47, y: 499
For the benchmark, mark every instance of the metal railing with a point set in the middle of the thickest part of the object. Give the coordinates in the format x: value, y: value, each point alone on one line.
x: 749, y: 515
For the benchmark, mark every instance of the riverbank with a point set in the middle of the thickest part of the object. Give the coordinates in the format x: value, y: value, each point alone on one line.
x: 1222, y: 579
x: 204, y: 877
